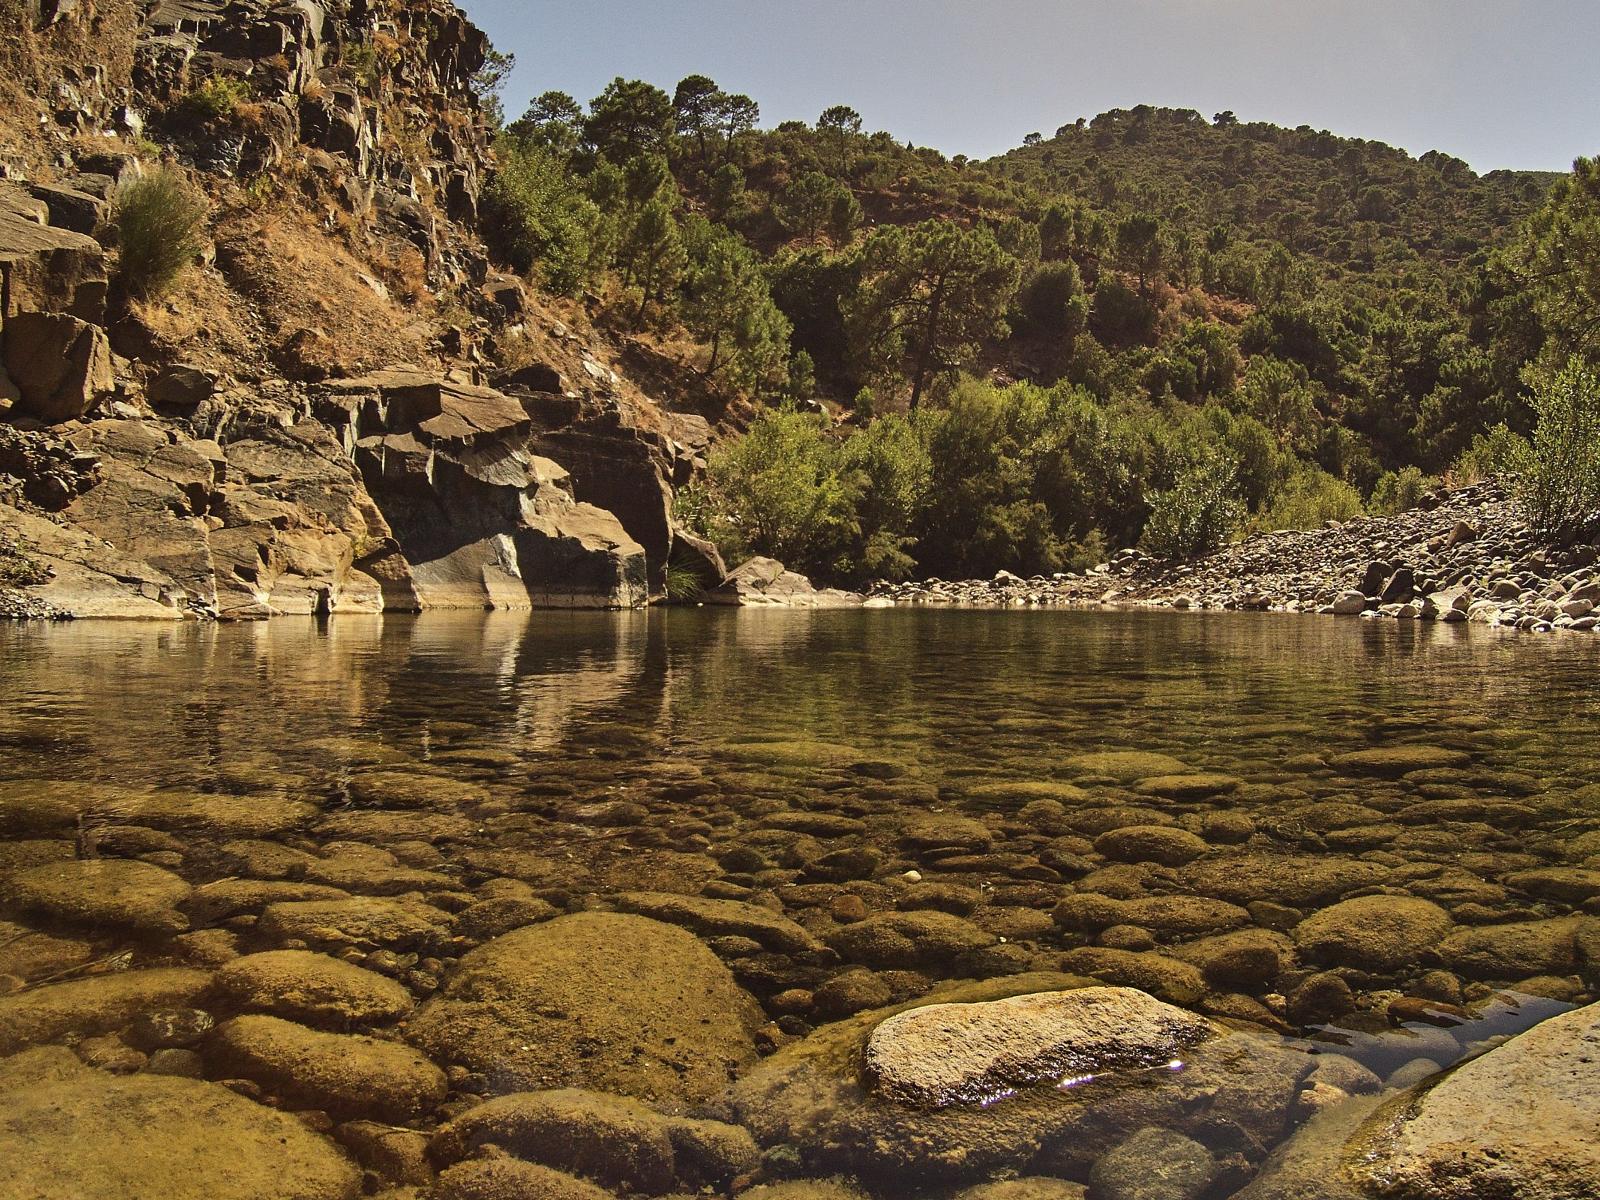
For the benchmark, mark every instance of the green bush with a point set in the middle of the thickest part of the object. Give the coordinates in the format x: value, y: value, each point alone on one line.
x: 1490, y: 455
x: 1197, y: 514
x: 1309, y: 499
x: 539, y: 219
x: 158, y: 220
x: 216, y: 99
x: 1556, y: 477
x: 1400, y: 491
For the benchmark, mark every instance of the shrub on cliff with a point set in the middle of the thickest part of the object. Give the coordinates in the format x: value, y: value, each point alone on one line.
x: 539, y: 219
x: 1198, y: 513
x: 1556, y: 476
x: 158, y: 220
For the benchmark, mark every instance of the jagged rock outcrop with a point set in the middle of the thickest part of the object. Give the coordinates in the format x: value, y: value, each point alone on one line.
x: 481, y: 519
x: 46, y: 267
x: 767, y: 583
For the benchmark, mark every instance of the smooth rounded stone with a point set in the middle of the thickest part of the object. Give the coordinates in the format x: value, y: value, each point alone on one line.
x: 1320, y: 998
x: 1164, y: 844
x: 1169, y: 978
x: 510, y: 1179
x: 1092, y: 822
x: 943, y: 1054
x: 850, y: 992
x: 1031, y: 1187
x: 1153, y: 1164
x: 1329, y: 815
x: 1247, y: 959
x: 814, y: 1096
x: 609, y: 1139
x: 498, y: 916
x: 368, y: 878
x: 806, y: 1189
x: 414, y: 790
x: 390, y: 827
x: 817, y: 824
x: 711, y: 1154
x: 952, y: 898
x: 1413, y: 1073
x: 360, y: 920
x: 945, y: 832
x: 1297, y: 879
x: 158, y: 1137
x: 1125, y: 766
x: 114, y: 892
x: 224, y: 898
x: 1227, y: 828
x: 312, y: 988
x: 721, y: 918
x: 1189, y: 787
x: 34, y: 852
x: 28, y: 954
x: 1501, y: 813
x: 345, y: 1075
x: 611, y: 1001
x: 1393, y: 761
x: 1519, y: 949
x: 1179, y: 916
x: 1566, y: 885
x: 394, y: 1154
x: 1127, y: 937
x: 1018, y: 794
x: 814, y: 755
x: 94, y: 1005
x: 216, y: 815
x: 910, y: 940
x: 1374, y: 933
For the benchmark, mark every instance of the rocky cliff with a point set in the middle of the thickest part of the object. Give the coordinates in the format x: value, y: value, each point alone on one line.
x: 342, y: 406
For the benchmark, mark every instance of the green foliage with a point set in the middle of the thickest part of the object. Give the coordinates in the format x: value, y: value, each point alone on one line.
x: 159, y: 219
x: 18, y: 567
x: 780, y: 491
x: 1557, y: 259
x: 1308, y: 500
x: 683, y: 583
x: 1400, y: 491
x: 729, y: 305
x: 538, y: 221
x: 1491, y: 455
x: 1556, y: 478
x: 628, y: 119
x: 216, y: 99
x: 487, y: 82
x: 1198, y: 513
x: 807, y: 205
x: 932, y: 295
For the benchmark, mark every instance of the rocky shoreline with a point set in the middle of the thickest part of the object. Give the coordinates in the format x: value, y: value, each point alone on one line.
x: 1462, y: 556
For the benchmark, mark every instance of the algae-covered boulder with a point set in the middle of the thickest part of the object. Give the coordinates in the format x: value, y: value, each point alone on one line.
x: 342, y: 1074
x: 94, y: 1005
x: 303, y: 985
x: 929, y: 940
x: 1374, y: 933
x: 114, y: 892
x: 147, y: 1137
x: 1126, y: 765
x: 1399, y: 760
x: 971, y: 1089
x: 615, y: 1002
x: 512, y: 1179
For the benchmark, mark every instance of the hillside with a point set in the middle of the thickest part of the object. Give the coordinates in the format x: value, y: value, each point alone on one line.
x: 1360, y: 207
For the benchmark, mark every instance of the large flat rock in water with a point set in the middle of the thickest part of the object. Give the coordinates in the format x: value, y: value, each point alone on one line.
x: 966, y: 1053
x: 609, y: 1001
x: 91, y: 1136
x: 1522, y: 1121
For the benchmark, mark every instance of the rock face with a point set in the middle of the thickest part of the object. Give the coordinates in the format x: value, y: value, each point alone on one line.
x: 823, y: 1096
x: 51, y: 269
x: 614, y: 1002
x: 157, y: 1138
x: 61, y: 366
x: 482, y: 521
x: 946, y: 1054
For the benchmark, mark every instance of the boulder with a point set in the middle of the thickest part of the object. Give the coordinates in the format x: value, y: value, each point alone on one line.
x: 342, y: 1074
x: 840, y: 1095
x: 929, y: 940
x: 604, y: 1000
x: 111, y: 892
x: 96, y: 1004
x: 61, y: 366
x: 510, y: 1179
x: 767, y: 583
x: 1374, y: 933
x: 313, y: 988
x: 51, y: 270
x: 147, y: 1137
x: 722, y: 918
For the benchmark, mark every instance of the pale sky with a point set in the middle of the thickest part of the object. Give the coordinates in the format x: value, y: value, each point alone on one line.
x: 1512, y: 83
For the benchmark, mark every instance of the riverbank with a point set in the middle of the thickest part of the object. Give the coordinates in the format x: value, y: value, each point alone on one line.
x: 1464, y: 555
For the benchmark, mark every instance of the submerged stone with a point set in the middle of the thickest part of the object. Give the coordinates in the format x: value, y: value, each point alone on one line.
x: 603, y: 1000
x: 1374, y: 933
x: 94, y: 1005
x: 147, y: 1137
x: 1126, y: 765
x: 944, y: 1054
x: 115, y: 892
x: 1399, y: 760
x: 313, y: 988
